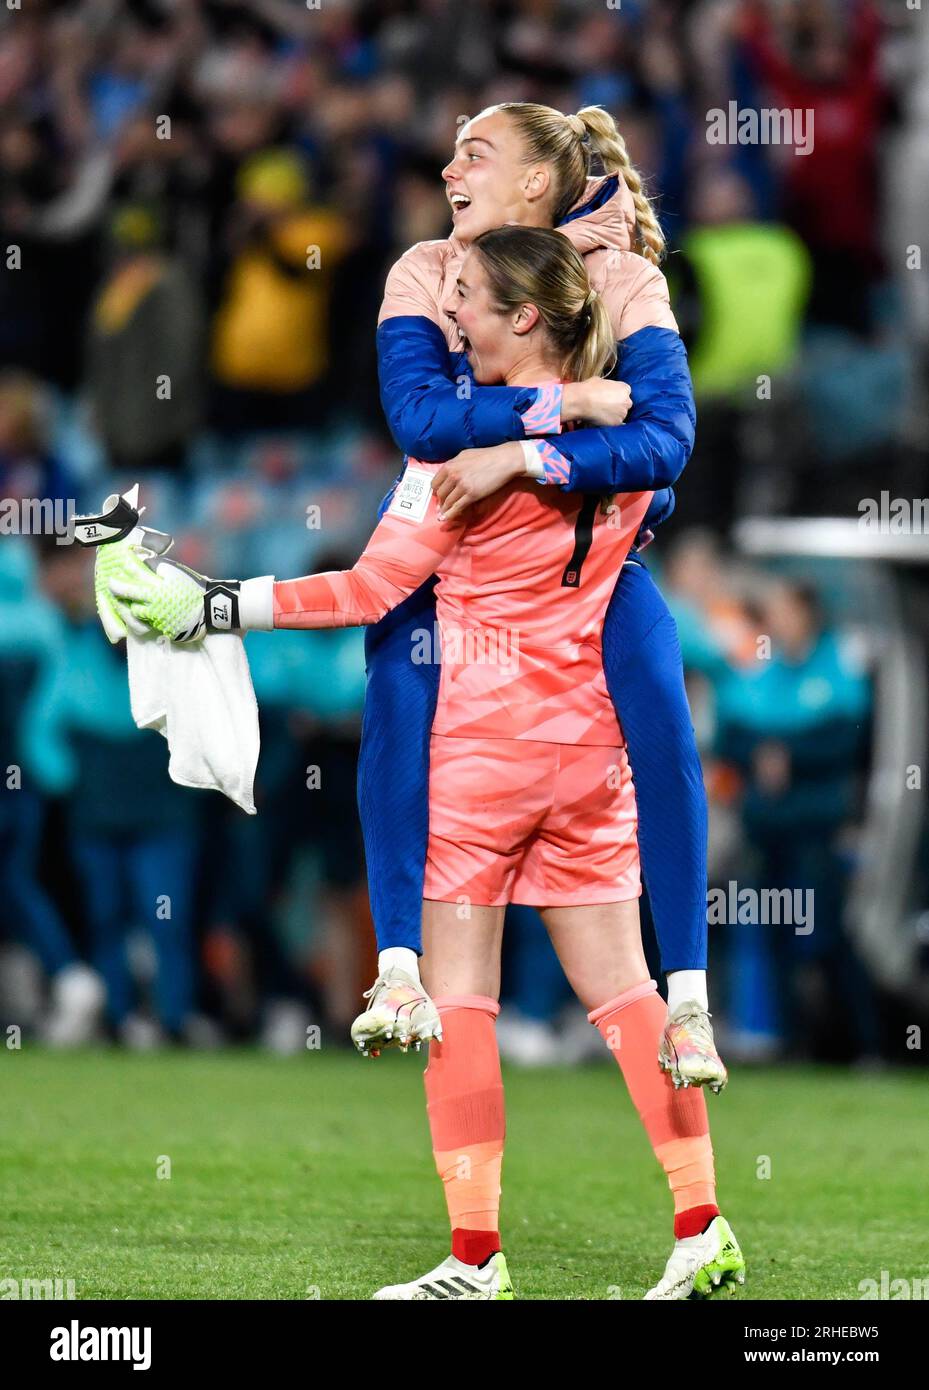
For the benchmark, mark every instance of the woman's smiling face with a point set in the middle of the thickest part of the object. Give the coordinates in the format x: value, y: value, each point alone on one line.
x: 488, y: 183
x: 496, y: 341
x: 485, y: 331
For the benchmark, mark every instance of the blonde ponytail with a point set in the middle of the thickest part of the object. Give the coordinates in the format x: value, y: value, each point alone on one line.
x: 610, y: 146
x: 595, y: 354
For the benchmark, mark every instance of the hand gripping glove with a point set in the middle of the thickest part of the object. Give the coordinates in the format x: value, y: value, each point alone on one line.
x: 140, y: 590
x: 175, y: 601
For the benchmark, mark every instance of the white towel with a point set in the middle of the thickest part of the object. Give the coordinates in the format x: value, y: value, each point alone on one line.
x: 200, y: 697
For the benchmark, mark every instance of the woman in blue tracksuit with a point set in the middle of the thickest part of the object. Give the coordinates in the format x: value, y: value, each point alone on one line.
x: 531, y: 165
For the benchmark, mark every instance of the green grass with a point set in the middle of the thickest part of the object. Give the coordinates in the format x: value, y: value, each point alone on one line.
x: 316, y: 1173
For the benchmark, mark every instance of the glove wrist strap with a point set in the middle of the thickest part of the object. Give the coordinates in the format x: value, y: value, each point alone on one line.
x: 115, y: 522
x: 221, y: 605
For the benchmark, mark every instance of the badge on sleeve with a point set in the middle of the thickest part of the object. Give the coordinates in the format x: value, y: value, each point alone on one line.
x: 411, y: 498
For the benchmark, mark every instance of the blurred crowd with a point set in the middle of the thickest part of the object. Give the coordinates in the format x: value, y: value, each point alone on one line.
x: 199, y: 200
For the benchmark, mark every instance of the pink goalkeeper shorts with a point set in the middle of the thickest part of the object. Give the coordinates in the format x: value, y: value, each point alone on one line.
x: 546, y: 824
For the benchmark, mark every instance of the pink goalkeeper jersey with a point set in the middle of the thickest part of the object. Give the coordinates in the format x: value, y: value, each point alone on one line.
x: 524, y: 584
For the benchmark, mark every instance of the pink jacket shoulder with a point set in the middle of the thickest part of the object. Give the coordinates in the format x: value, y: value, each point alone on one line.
x: 635, y: 291
x: 421, y: 281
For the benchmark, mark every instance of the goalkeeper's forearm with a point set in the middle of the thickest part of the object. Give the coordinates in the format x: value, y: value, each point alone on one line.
x: 182, y: 605
x: 334, y: 598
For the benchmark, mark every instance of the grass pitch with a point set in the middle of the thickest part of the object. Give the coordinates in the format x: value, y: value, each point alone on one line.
x: 312, y: 1177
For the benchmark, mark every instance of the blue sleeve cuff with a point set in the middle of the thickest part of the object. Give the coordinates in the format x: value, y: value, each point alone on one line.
x: 544, y: 414
x: 555, y: 467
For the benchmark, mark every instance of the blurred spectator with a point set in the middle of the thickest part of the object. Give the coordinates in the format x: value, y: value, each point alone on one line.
x: 132, y: 832
x: 269, y: 352
x: 745, y: 285
x: 795, y: 727
x: 823, y: 58
x: 30, y: 635
x: 715, y: 629
x: 741, y: 288
x: 144, y: 351
x: 28, y: 467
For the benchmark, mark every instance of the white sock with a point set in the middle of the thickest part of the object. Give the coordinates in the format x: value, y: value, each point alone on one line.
x: 398, y: 958
x: 684, y: 985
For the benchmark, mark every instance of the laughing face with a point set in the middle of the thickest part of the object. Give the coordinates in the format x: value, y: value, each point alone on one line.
x: 488, y: 182
x: 494, y: 341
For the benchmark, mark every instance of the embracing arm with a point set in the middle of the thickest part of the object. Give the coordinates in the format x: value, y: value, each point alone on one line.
x: 650, y: 450
x: 432, y: 415
x: 436, y: 416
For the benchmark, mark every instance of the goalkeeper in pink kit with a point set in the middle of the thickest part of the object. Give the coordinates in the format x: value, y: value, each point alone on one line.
x: 530, y: 791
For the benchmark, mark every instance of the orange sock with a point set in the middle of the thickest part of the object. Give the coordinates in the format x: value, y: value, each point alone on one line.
x: 675, y: 1121
x: 464, y: 1095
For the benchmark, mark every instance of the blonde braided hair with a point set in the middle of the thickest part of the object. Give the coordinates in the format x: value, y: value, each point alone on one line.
x: 611, y: 147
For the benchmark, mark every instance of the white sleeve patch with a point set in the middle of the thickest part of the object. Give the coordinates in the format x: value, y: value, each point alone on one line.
x: 411, y: 498
x: 535, y: 467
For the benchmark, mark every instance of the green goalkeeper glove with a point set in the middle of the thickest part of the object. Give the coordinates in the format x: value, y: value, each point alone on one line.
x: 173, y: 600
x: 139, y: 591
x: 183, y: 605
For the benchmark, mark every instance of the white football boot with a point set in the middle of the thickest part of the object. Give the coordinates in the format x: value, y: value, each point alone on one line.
x: 687, y: 1050
x: 701, y: 1266
x: 454, y: 1279
x: 400, y: 1012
